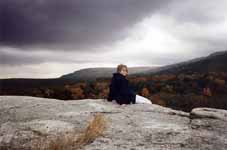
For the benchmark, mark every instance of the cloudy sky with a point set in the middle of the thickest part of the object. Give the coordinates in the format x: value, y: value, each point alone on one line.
x: 49, y: 38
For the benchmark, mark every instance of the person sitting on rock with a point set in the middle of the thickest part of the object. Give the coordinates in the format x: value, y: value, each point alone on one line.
x: 120, y: 91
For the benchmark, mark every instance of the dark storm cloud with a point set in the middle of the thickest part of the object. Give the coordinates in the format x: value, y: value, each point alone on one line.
x: 17, y: 57
x: 134, y: 31
x: 73, y: 24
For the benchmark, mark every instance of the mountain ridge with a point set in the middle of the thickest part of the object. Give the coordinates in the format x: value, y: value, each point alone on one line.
x: 207, y: 62
x: 98, y: 72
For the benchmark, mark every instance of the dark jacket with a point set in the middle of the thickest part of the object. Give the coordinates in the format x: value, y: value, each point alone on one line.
x: 120, y: 90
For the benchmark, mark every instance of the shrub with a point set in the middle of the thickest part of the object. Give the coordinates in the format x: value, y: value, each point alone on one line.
x: 74, y: 141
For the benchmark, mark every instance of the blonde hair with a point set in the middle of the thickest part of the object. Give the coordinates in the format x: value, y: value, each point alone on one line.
x: 121, y: 66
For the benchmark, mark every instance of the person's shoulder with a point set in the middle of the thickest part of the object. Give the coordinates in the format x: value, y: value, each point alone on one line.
x: 118, y: 75
x: 119, y: 78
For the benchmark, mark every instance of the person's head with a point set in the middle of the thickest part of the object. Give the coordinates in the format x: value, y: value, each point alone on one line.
x: 122, y: 69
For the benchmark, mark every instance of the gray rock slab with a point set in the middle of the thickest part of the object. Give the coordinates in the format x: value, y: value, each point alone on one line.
x: 129, y: 127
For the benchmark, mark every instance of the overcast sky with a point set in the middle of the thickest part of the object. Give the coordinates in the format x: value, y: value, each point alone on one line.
x: 49, y: 38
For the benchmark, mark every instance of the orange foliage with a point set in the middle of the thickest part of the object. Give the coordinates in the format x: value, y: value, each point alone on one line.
x: 100, y: 85
x: 157, y: 100
x: 207, y: 92
x: 164, y: 78
x: 145, y: 92
x: 137, y: 79
x: 77, y: 93
x: 219, y: 82
x: 76, y: 85
x: 104, y: 93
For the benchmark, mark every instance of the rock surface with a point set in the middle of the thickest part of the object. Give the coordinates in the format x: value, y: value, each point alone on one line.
x: 130, y: 127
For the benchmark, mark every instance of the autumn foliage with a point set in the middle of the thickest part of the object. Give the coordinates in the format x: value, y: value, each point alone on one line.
x: 182, y: 91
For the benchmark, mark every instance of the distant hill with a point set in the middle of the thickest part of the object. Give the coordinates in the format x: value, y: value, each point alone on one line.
x: 215, y: 62
x: 101, y: 72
